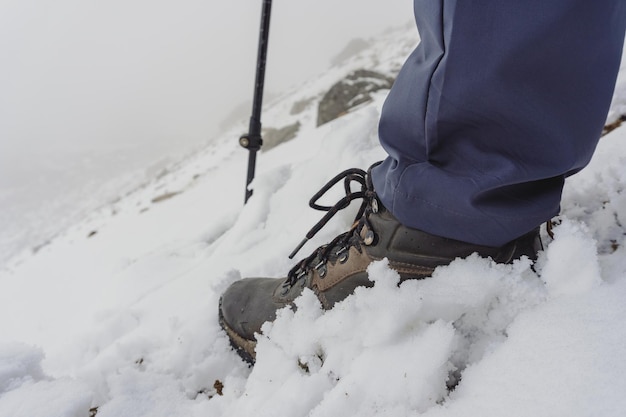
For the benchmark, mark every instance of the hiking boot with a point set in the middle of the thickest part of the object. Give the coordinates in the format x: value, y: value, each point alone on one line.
x: 334, y: 270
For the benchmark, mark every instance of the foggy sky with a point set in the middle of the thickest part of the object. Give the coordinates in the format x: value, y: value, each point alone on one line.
x: 95, y: 77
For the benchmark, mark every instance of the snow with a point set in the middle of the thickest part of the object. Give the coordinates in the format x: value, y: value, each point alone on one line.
x: 117, y: 316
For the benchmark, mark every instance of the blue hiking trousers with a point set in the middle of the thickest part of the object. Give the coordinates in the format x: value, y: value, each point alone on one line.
x: 501, y: 100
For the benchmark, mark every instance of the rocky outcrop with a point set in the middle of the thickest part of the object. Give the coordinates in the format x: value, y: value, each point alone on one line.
x: 301, y: 105
x: 354, y: 89
x: 273, y: 137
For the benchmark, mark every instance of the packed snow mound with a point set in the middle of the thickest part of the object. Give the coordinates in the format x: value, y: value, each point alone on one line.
x: 118, y: 315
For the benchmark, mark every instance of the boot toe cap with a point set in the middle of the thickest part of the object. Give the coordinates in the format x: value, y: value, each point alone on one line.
x: 247, y: 304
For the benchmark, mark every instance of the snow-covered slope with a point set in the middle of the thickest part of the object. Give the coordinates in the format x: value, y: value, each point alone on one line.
x: 118, y: 315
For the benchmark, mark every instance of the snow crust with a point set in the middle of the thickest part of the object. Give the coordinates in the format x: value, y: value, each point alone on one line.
x: 118, y: 315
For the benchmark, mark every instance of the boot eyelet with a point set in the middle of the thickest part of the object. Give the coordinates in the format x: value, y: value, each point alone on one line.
x: 321, y: 269
x: 342, y: 255
x: 374, y: 205
x: 369, y: 238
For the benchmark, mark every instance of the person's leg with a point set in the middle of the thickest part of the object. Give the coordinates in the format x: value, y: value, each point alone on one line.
x: 500, y: 102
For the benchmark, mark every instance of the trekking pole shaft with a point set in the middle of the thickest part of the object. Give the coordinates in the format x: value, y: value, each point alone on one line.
x: 259, y: 82
x: 253, y: 141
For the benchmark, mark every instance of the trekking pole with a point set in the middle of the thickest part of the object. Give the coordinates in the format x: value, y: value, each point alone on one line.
x: 252, y: 141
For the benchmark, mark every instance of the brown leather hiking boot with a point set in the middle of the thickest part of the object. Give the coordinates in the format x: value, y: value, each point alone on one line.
x: 334, y: 270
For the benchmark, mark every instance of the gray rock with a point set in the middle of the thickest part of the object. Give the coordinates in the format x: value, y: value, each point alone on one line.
x: 273, y: 137
x: 301, y: 105
x: 354, y: 89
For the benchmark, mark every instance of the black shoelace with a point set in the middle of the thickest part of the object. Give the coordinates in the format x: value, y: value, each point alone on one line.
x: 337, y: 249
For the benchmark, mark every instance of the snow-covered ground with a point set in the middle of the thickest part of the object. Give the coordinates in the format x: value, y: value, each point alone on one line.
x: 117, y: 316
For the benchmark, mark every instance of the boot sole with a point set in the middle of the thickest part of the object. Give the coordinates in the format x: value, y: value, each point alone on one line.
x: 245, y: 348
